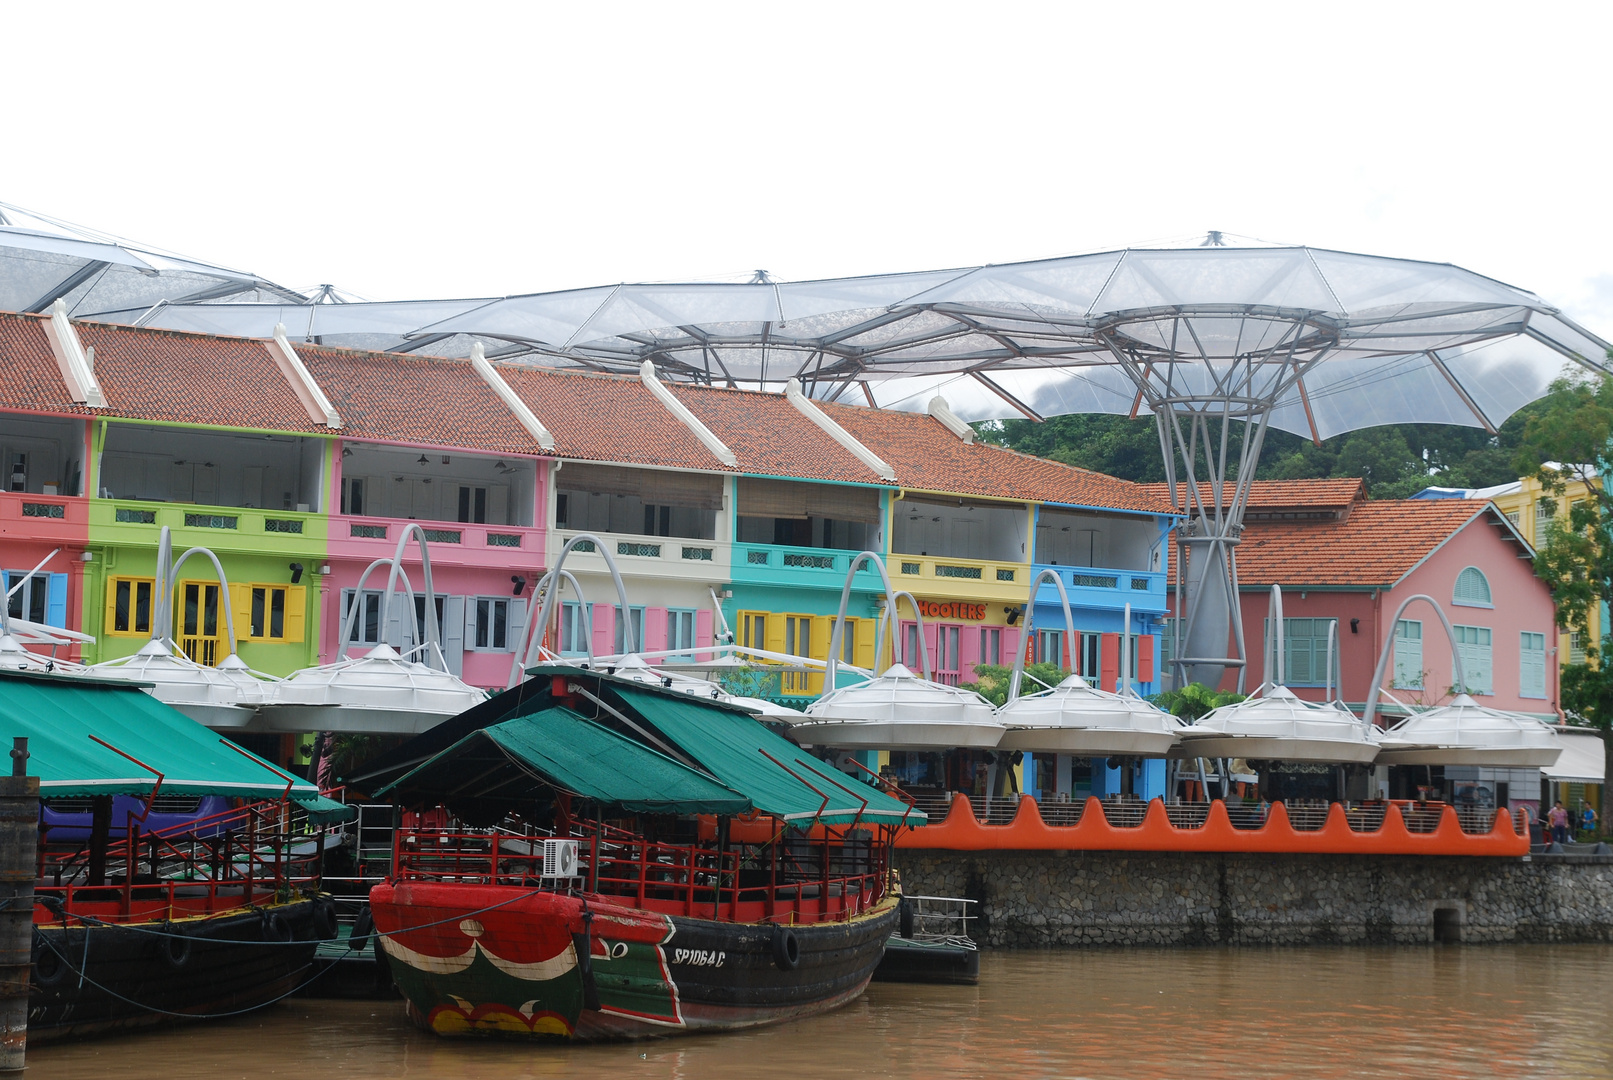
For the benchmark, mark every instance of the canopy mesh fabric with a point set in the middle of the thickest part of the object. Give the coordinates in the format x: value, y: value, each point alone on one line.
x: 1343, y: 340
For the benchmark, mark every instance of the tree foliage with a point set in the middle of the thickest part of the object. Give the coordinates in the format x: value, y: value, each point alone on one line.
x: 1396, y: 461
x: 1194, y: 700
x: 993, y: 679
x: 1572, y: 426
x: 1576, y: 557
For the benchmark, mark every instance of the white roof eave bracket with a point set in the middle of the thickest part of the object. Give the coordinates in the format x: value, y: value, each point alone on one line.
x: 512, y: 401
x: 320, y: 410
x: 77, y: 365
x: 667, y: 398
x: 951, y: 420
x: 807, y: 408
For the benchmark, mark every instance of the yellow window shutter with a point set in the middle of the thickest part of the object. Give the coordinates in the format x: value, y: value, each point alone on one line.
x: 821, y: 626
x: 112, y: 604
x: 296, y: 612
x: 775, y: 633
x: 865, y: 643
x: 241, y: 609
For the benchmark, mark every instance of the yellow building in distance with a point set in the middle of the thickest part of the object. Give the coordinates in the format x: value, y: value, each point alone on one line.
x: 1530, y: 509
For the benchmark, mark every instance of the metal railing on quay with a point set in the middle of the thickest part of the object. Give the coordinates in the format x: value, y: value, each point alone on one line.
x: 1307, y: 817
x: 1475, y: 820
x: 1422, y: 817
x: 936, y: 804
x: 1123, y: 813
x: 1060, y: 814
x: 1129, y: 812
x: 995, y: 809
x: 1366, y: 818
x: 1187, y: 815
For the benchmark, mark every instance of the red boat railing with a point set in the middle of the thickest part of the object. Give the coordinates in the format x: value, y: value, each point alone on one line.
x: 756, y: 872
x: 247, y: 855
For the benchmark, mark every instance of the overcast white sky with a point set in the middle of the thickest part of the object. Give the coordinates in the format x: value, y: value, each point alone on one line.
x: 405, y: 151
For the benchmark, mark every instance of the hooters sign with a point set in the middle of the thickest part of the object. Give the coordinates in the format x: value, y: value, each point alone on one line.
x: 952, y: 609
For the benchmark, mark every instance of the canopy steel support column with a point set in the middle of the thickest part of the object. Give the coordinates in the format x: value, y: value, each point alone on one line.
x: 1196, y: 397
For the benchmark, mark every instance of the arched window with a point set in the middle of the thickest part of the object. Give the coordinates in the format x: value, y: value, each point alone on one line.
x: 1472, y: 589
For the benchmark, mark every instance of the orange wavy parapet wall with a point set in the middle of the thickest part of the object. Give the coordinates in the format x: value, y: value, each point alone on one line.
x: 960, y: 831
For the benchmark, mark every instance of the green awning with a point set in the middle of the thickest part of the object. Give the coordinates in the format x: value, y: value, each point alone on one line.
x: 521, y: 759
x: 734, y: 747
x: 63, y: 715
x: 323, y: 811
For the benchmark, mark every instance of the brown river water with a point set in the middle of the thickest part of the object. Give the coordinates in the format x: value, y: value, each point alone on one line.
x: 1201, y: 1014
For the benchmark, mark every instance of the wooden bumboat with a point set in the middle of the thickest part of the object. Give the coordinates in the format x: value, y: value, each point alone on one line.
x: 663, y: 864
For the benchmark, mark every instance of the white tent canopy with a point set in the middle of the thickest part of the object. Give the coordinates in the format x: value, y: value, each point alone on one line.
x: 896, y: 710
x: 1075, y: 718
x: 1279, y: 726
x: 379, y: 693
x: 1467, y: 733
x: 1583, y: 760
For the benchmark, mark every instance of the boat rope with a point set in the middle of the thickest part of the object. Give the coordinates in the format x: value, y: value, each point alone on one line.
x: 91, y: 920
x: 84, y: 978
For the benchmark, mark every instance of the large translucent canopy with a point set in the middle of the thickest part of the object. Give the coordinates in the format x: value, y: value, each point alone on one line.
x: 43, y: 260
x: 1327, y: 341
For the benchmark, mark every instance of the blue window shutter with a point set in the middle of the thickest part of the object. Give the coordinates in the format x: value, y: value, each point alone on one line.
x: 56, y: 601
x: 1532, y: 666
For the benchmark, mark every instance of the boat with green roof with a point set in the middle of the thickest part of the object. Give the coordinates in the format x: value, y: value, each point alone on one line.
x: 629, y: 861
x: 213, y: 915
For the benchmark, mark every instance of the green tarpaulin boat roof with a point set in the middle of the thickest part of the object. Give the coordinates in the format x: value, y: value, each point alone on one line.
x: 555, y: 747
x: 62, y: 716
x: 780, y: 778
x: 724, y: 743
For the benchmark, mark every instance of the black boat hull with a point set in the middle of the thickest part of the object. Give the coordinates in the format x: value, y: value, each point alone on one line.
x: 131, y: 977
x: 913, y: 960
x: 491, y: 960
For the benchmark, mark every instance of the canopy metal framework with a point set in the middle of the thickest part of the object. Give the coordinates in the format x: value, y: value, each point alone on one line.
x: 1307, y: 340
x: 44, y: 259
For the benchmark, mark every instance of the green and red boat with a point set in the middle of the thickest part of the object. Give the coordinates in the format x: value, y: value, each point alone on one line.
x: 629, y: 861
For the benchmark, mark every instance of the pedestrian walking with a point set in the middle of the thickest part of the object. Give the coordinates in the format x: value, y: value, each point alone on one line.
x: 1557, y: 818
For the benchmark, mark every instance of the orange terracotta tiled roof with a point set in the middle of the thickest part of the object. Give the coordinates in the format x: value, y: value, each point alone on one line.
x: 927, y: 456
x: 770, y: 436
x: 608, y: 418
x: 1278, y: 494
x: 153, y: 375
x: 1377, y: 545
x: 415, y: 399
x: 192, y: 378
x: 30, y: 378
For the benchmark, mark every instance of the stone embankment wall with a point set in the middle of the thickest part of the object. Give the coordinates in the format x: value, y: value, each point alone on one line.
x: 1171, y: 898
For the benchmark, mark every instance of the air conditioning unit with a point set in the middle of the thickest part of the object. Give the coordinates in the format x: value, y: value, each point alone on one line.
x: 560, y: 859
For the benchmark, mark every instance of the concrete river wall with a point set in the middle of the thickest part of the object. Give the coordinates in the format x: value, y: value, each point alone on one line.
x: 1028, y: 898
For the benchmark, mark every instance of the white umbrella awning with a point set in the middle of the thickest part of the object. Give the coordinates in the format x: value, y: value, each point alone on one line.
x: 1075, y: 718
x: 13, y: 657
x: 1583, y: 760
x: 634, y: 667
x: 1467, y: 733
x: 225, y: 697
x: 898, y: 710
x: 1279, y: 726
x: 378, y: 693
